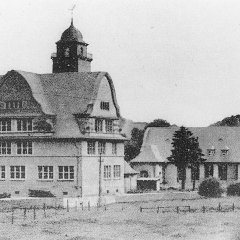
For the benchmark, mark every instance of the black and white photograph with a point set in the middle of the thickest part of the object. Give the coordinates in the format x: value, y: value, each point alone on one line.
x: 119, y: 120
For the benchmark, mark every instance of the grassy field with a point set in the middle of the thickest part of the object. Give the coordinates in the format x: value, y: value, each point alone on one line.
x: 125, y: 221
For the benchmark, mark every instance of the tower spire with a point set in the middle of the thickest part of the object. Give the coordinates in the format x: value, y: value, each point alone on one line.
x: 72, y: 9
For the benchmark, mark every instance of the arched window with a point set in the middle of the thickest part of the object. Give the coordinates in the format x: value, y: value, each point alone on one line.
x: 144, y: 174
x: 66, y: 52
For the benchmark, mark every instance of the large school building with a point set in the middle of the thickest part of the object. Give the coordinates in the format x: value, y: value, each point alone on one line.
x: 60, y: 131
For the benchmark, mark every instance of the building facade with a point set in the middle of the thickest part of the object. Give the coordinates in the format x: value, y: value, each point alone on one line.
x: 220, y: 146
x: 60, y: 132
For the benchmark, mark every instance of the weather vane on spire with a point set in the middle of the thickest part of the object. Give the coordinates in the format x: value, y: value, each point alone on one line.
x: 72, y: 9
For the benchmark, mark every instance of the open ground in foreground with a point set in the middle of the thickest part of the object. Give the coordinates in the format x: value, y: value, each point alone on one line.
x: 126, y: 221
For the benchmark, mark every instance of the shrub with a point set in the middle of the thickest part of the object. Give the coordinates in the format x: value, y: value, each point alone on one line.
x: 5, y: 195
x: 233, y: 189
x: 135, y: 191
x: 210, y: 187
x: 40, y: 193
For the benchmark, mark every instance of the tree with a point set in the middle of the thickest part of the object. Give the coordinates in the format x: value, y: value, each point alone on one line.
x: 232, y: 121
x: 186, y: 153
x: 133, y: 146
x: 158, y: 123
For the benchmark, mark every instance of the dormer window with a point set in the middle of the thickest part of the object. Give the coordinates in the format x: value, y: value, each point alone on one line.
x: 104, y: 106
x: 13, y: 104
x: 224, y: 152
x: 2, y: 105
x: 211, y: 152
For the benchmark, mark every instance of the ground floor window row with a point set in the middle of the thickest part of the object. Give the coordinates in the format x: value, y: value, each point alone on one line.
x: 223, y: 171
x: 64, y: 172
x: 44, y: 172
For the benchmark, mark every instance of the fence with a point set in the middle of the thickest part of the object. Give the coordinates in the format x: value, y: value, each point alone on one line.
x: 18, y: 214
x: 178, y: 209
x: 15, y: 213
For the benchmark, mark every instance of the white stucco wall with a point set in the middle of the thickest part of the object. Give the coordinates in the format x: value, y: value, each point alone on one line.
x: 104, y: 94
x: 130, y: 182
x: 90, y: 171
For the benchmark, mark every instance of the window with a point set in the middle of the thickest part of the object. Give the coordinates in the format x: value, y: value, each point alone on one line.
x: 107, y: 172
x: 144, y: 174
x: 13, y: 104
x: 66, y: 172
x: 66, y: 52
x: 195, y: 173
x: 17, y: 172
x: 222, y: 171
x: 2, y: 105
x: 101, y: 147
x: 179, y: 174
x: 114, y: 148
x: 98, y: 125
x: 224, y: 152
x: 2, y: 172
x: 116, y: 171
x: 91, y: 147
x: 109, y: 126
x: 45, y: 172
x: 208, y: 170
x: 235, y: 167
x: 5, y: 125
x: 211, y: 152
x: 5, y: 148
x: 104, y: 106
x: 24, y: 148
x: 24, y: 125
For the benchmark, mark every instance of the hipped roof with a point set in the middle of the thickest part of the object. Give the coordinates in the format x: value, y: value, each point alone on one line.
x: 217, y: 138
x: 128, y: 169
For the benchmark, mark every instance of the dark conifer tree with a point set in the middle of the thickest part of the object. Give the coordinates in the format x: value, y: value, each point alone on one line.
x: 186, y: 154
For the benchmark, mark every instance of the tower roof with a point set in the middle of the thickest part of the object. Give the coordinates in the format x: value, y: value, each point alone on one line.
x: 71, y: 34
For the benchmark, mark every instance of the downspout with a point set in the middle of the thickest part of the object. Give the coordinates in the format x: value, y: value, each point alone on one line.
x: 79, y: 160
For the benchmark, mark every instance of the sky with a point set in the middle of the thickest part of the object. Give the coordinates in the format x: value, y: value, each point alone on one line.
x: 177, y: 60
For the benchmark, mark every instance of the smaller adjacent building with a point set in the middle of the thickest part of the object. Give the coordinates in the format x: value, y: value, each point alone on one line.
x: 220, y: 146
x: 130, y: 178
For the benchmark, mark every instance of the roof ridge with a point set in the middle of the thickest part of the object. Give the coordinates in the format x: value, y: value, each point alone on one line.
x: 22, y: 71
x: 62, y: 73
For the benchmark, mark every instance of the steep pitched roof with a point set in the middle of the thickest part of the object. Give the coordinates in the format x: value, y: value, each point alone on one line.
x: 150, y: 154
x: 66, y: 94
x: 218, y: 138
x: 128, y: 169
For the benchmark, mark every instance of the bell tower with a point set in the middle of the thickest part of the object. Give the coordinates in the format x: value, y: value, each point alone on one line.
x: 72, y: 55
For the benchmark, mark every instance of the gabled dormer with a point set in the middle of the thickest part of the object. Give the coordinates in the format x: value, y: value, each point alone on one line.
x: 102, y: 113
